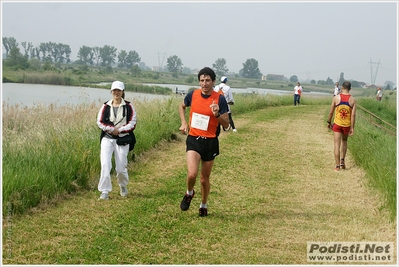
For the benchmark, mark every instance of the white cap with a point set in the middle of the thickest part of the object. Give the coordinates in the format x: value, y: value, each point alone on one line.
x: 223, y: 79
x: 117, y: 85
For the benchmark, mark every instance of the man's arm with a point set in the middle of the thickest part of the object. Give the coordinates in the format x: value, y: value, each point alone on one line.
x: 182, y: 113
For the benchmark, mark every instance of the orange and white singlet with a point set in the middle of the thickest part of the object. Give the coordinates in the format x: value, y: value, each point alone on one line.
x: 202, y: 121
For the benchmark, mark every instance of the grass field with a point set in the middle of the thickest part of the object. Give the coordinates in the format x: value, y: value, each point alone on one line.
x: 273, y: 189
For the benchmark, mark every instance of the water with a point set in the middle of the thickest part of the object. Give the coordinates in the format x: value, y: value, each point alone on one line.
x: 39, y: 94
x: 249, y: 90
x: 34, y: 94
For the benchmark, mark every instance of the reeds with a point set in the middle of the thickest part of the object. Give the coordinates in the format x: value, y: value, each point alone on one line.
x: 52, y: 150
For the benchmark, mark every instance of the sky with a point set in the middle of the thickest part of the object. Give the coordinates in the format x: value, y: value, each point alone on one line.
x: 309, y: 39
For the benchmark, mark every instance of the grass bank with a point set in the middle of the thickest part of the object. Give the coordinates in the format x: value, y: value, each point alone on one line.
x: 273, y: 190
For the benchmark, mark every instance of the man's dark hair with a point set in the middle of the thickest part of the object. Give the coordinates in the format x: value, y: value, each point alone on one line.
x: 207, y: 71
x: 347, y: 85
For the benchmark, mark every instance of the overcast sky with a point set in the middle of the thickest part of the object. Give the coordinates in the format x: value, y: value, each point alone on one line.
x: 312, y: 40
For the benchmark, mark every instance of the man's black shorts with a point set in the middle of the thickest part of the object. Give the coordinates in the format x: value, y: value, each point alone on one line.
x: 208, y: 148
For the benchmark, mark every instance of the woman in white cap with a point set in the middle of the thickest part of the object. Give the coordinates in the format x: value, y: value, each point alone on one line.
x: 116, y: 119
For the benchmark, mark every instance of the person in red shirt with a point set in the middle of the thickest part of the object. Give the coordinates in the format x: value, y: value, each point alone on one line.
x: 208, y: 109
x: 344, y: 107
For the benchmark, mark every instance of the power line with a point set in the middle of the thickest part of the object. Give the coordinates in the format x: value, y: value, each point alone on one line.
x: 163, y: 59
x: 374, y: 75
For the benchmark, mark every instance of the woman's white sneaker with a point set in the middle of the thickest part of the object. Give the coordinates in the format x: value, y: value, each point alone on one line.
x: 104, y: 196
x: 123, y: 191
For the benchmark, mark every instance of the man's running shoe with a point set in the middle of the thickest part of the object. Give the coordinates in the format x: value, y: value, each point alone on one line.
x: 336, y: 168
x: 185, y: 203
x: 203, y: 212
x: 343, y: 164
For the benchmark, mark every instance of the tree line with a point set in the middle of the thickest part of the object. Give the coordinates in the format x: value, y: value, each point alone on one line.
x: 109, y: 57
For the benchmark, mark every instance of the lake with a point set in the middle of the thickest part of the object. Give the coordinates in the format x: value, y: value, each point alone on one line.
x: 34, y: 94
x: 249, y: 90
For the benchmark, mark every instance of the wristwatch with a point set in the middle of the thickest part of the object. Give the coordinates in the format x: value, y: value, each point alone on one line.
x: 217, y: 116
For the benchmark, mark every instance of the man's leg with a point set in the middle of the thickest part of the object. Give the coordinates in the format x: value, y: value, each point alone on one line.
x: 204, y: 178
x: 337, y: 144
x: 193, y: 159
x: 344, y: 148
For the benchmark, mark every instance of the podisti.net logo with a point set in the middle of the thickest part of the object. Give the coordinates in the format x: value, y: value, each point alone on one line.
x: 378, y: 252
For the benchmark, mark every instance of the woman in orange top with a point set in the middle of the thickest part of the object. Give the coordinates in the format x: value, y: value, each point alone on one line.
x: 208, y: 109
x: 344, y: 106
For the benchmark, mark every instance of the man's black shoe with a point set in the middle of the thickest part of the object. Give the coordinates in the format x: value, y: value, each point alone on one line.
x: 203, y: 212
x: 185, y: 203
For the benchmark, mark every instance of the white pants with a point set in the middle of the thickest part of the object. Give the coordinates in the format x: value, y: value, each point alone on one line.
x: 109, y: 147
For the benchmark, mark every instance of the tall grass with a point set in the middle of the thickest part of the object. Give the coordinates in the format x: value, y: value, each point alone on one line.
x: 376, y: 150
x: 53, y: 150
x: 49, y: 150
x: 386, y: 110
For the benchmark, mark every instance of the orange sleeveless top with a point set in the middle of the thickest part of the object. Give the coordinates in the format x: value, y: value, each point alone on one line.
x: 202, y: 121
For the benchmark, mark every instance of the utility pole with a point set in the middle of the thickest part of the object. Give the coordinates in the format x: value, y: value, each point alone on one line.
x: 374, y: 75
x: 163, y: 59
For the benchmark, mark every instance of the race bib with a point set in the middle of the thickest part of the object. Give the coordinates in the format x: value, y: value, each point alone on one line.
x: 200, y: 121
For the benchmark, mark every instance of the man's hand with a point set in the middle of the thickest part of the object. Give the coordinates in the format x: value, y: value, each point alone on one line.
x: 215, y: 108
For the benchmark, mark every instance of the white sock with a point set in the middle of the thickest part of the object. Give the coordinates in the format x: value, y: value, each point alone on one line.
x: 203, y: 206
x: 190, y: 192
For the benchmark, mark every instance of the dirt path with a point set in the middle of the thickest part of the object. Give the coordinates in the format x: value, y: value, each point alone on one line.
x: 279, y: 182
x: 303, y: 198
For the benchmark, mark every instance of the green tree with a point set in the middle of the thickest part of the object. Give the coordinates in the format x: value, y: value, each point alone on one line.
x: 84, y: 54
x: 122, y: 59
x: 250, y: 69
x: 27, y: 47
x: 135, y: 71
x: 65, y: 50
x: 329, y: 81
x: 96, y: 54
x: 220, y: 67
x: 9, y: 43
x: 388, y: 85
x: 35, y: 53
x: 107, y: 55
x: 174, y: 64
x: 355, y: 84
x: 43, y: 50
x: 35, y: 64
x: 16, y: 60
x: 293, y: 79
x: 132, y: 58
